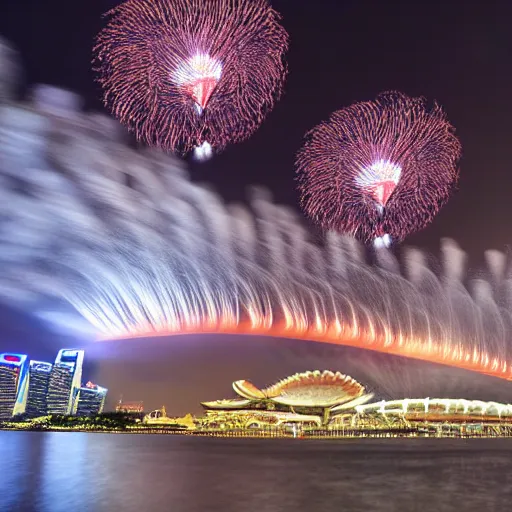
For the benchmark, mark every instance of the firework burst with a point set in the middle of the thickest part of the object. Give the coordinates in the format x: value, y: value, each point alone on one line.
x: 185, y: 74
x: 379, y: 170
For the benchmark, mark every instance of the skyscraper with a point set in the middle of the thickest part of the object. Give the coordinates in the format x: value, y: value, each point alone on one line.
x: 13, y: 380
x: 38, y: 380
x: 64, y: 382
x: 91, y: 399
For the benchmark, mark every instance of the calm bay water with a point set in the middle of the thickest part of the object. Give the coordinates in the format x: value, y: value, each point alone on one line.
x: 54, y: 472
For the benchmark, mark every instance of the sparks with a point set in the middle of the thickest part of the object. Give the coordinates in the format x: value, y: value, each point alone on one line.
x: 177, y: 71
x: 379, y: 180
x: 198, y: 76
x: 379, y: 170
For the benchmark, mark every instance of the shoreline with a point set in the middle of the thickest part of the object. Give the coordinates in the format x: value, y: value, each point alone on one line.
x: 258, y: 435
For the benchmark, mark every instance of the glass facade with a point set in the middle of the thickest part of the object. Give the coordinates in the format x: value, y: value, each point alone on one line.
x: 38, y: 381
x: 40, y: 388
x: 13, y: 380
x: 59, y: 389
x: 91, y: 400
x: 64, y: 382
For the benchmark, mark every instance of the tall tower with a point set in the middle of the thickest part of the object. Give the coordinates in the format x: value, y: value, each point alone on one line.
x: 91, y: 400
x: 64, y: 382
x: 13, y: 383
x: 38, y: 381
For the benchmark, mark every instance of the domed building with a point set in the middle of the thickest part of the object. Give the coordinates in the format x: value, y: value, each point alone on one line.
x: 308, y: 399
x: 454, y: 415
x: 335, y: 402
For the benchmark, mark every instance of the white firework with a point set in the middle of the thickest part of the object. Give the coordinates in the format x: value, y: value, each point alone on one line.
x: 379, y: 180
x: 199, y: 76
x: 203, y: 152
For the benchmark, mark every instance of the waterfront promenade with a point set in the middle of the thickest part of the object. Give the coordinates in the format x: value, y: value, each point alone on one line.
x: 487, y: 431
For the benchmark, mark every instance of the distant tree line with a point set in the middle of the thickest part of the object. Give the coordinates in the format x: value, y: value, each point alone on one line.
x: 107, y: 420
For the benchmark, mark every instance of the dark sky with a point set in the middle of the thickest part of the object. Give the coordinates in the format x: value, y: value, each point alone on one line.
x: 456, y: 52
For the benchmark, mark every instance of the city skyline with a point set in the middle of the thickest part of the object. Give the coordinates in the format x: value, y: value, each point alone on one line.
x: 31, y: 388
x: 315, y: 88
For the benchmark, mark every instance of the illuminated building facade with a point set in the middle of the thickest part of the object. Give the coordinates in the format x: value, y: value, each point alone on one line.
x: 130, y: 407
x: 159, y: 418
x: 432, y: 411
x: 13, y: 384
x: 306, y: 399
x: 90, y: 400
x: 65, y: 381
x: 38, y: 381
x: 40, y: 388
x: 332, y: 402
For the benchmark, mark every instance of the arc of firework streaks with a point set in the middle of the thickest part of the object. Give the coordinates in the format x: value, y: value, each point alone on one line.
x: 479, y: 362
x: 132, y: 245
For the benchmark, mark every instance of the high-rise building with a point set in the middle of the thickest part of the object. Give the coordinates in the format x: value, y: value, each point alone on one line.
x: 13, y: 383
x: 64, y: 382
x: 91, y: 400
x: 38, y: 380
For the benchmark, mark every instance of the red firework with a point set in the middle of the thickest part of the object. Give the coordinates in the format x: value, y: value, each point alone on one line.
x: 379, y: 170
x: 184, y: 74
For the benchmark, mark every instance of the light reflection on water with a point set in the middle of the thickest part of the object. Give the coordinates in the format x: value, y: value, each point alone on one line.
x: 54, y: 472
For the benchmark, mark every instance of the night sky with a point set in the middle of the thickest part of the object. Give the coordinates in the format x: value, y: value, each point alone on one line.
x: 455, y: 52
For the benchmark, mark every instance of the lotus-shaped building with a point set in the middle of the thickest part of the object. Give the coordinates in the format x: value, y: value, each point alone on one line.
x: 307, y: 398
x: 330, y: 401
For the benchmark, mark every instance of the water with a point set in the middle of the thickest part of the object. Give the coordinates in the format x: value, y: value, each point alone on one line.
x: 53, y: 472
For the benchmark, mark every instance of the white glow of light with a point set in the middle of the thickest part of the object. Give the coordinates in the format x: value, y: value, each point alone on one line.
x: 198, y: 67
x: 203, y: 152
x: 379, y: 180
x: 382, y: 241
x: 199, y: 76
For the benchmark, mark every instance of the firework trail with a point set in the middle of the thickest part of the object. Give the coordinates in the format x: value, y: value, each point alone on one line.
x: 123, y: 239
x: 10, y: 70
x: 185, y: 74
x: 379, y: 170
